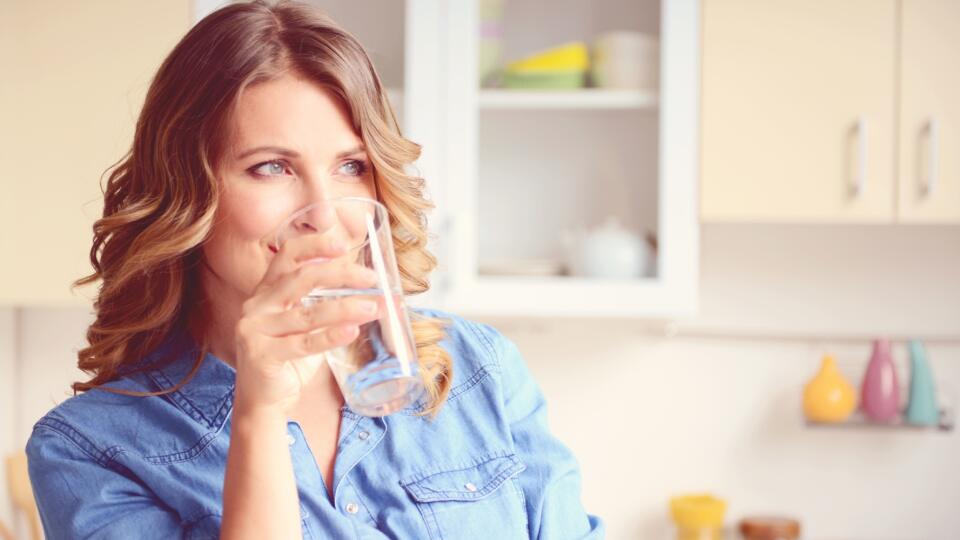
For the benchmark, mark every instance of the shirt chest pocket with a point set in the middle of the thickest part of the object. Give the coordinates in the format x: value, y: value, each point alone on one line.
x: 480, y: 501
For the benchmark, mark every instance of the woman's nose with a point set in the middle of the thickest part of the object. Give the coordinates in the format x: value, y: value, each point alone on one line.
x: 318, y: 217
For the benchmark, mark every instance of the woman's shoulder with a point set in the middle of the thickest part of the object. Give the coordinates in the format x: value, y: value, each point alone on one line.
x: 104, y: 421
x: 95, y: 405
x: 472, y: 344
x: 482, y: 356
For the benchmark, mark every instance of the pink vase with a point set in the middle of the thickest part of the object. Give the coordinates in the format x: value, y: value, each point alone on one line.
x: 880, y: 393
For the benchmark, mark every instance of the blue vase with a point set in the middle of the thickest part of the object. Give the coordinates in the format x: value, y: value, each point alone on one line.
x: 922, y: 406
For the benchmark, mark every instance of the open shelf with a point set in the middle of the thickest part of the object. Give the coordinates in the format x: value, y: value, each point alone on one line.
x: 585, y: 98
x: 525, y: 173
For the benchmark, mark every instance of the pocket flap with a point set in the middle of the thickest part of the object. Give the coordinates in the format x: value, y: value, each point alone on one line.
x: 467, y: 483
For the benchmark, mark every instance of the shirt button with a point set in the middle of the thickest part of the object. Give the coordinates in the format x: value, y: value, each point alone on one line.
x: 291, y: 439
x: 470, y: 486
x: 352, y: 508
x: 363, y: 435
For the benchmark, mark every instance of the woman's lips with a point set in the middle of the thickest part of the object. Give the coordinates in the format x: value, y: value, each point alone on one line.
x: 273, y: 249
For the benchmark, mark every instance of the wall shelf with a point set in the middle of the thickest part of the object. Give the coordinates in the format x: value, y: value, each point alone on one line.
x: 859, y: 421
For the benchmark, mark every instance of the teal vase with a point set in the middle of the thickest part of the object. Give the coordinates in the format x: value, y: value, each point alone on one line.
x: 922, y: 406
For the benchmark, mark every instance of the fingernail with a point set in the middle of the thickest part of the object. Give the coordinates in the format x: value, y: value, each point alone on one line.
x: 368, y: 306
x: 339, y: 245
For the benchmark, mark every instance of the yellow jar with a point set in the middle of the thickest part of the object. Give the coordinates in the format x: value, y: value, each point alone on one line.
x: 698, y: 516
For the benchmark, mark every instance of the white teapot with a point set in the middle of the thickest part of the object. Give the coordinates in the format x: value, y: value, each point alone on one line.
x: 608, y: 251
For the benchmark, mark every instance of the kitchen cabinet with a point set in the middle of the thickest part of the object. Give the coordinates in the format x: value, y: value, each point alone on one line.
x: 518, y: 167
x: 929, y: 164
x: 798, y: 110
x: 74, y: 79
x: 830, y: 112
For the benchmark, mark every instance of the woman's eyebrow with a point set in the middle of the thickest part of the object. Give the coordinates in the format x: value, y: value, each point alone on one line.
x: 293, y: 154
x: 355, y: 150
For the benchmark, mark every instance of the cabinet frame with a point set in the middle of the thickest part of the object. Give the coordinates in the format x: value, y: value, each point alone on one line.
x: 673, y: 292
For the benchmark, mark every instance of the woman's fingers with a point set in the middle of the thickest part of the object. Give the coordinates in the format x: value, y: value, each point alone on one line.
x: 300, y: 345
x: 287, y: 292
x: 302, y: 318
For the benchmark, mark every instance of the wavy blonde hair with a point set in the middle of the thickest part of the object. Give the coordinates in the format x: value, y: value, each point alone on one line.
x: 160, y: 200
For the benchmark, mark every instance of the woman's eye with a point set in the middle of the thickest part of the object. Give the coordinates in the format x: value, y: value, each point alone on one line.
x: 269, y: 168
x: 277, y: 167
x: 355, y: 167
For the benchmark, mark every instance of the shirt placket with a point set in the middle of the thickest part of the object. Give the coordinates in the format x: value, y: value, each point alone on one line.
x: 354, y: 445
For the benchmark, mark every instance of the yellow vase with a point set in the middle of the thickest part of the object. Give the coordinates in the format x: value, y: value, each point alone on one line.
x: 828, y: 397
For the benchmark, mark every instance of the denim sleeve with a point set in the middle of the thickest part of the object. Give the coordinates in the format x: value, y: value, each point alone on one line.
x: 551, y: 482
x: 80, y: 496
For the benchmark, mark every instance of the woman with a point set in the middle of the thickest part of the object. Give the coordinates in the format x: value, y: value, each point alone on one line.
x: 201, y: 420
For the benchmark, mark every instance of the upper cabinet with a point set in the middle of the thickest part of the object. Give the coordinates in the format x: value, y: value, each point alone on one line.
x: 800, y: 111
x: 74, y: 78
x: 929, y: 161
x: 546, y: 195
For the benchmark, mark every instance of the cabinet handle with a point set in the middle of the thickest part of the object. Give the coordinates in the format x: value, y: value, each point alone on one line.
x: 930, y: 179
x: 860, y: 180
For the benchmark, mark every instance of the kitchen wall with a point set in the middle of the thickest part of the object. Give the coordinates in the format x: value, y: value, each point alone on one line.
x: 719, y: 410
x: 707, y: 404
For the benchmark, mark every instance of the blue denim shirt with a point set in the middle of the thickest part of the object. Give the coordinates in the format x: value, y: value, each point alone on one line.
x: 105, y: 465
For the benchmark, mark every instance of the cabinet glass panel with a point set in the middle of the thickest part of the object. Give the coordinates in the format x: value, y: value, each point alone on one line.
x: 379, y: 26
x: 563, y: 149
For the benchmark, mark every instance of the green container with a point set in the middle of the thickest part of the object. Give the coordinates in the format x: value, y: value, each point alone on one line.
x: 545, y: 80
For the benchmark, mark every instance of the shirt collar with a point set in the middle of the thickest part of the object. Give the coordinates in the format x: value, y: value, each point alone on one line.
x: 208, y: 396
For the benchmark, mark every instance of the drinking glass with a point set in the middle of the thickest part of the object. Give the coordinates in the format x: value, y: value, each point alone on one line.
x: 378, y: 372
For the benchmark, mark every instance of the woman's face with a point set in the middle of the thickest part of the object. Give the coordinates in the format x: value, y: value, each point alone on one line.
x: 291, y: 143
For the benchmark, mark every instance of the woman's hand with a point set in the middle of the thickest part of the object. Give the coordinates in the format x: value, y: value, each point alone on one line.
x: 278, y: 339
